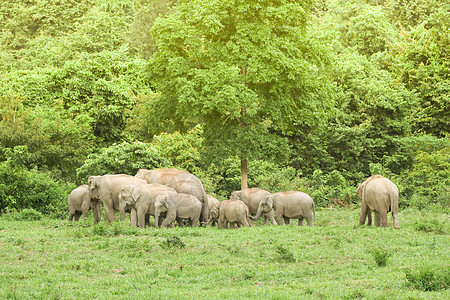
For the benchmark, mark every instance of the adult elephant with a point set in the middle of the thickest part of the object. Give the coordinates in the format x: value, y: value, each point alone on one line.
x: 178, y: 207
x: 288, y: 205
x: 80, y: 203
x: 181, y: 181
x: 252, y: 197
x: 106, y: 189
x: 380, y: 195
x: 140, y: 200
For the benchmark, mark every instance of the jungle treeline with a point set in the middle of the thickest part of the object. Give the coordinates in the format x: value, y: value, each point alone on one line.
x: 303, y: 95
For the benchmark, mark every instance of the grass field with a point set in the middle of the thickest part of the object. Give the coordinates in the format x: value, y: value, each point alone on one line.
x: 55, y: 259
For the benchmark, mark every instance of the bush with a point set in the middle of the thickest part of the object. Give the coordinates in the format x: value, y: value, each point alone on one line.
x: 429, y: 279
x: 331, y: 189
x: 126, y: 158
x: 29, y: 214
x: 284, y: 254
x: 429, y: 226
x: 173, y: 242
x: 29, y: 189
x: 381, y: 256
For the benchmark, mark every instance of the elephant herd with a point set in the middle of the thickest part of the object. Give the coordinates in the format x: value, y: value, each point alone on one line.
x: 174, y: 195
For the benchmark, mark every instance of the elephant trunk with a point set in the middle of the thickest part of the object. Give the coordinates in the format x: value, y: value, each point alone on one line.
x: 122, y: 206
x: 258, y: 213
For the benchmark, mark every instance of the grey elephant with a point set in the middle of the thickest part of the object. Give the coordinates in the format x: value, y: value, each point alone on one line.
x: 234, y: 212
x: 80, y: 203
x: 252, y: 197
x: 106, y: 189
x: 380, y: 195
x: 140, y: 200
x: 181, y: 181
x: 211, y: 202
x: 178, y: 207
x: 289, y: 205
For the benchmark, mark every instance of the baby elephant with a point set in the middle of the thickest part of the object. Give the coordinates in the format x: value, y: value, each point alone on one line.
x: 234, y: 212
x: 79, y: 202
x: 178, y: 206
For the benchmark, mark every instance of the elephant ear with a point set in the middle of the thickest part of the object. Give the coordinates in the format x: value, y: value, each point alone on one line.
x: 163, y: 201
x: 136, y: 193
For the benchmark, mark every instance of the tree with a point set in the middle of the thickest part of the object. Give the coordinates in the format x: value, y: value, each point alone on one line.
x: 244, y: 69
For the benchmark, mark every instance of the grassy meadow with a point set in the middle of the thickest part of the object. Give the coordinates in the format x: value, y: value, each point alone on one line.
x: 55, y: 259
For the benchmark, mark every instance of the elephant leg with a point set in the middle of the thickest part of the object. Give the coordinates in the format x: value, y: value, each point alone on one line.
x: 384, y: 221
x: 369, y: 217
x: 300, y: 221
x: 265, y: 220
x: 77, y: 215
x: 133, y: 217
x: 271, y: 217
x: 309, y: 221
x: 96, y: 211
x: 85, y: 213
x: 363, y: 214
x: 71, y: 214
x: 377, y: 219
x: 109, y: 214
x: 279, y: 218
x: 287, y: 220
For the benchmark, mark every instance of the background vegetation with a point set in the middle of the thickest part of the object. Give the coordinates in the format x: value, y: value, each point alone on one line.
x: 79, y: 92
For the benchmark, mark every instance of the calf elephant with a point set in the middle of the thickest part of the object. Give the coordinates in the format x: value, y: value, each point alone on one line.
x: 181, y: 181
x: 289, y: 205
x: 234, y: 212
x: 178, y: 206
x: 252, y: 197
x: 211, y: 202
x: 79, y: 203
x: 106, y: 188
x: 140, y: 200
x: 380, y: 195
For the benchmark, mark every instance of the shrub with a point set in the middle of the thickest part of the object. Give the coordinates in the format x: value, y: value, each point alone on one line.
x: 126, y: 158
x: 284, y: 254
x: 173, y: 242
x: 429, y: 279
x: 429, y: 226
x: 29, y: 214
x: 21, y: 188
x: 381, y: 256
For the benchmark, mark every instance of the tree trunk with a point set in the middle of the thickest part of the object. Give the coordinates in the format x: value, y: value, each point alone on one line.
x: 243, y: 174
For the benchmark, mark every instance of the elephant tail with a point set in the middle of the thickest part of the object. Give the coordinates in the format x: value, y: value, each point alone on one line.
x: 62, y: 217
x: 314, y: 212
x: 394, y: 195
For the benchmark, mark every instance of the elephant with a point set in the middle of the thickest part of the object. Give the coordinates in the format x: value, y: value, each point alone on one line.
x: 140, y: 200
x: 181, y: 181
x: 178, y: 206
x: 211, y: 202
x: 289, y: 205
x: 106, y: 188
x: 252, y: 197
x: 230, y: 211
x: 380, y: 195
x: 80, y: 203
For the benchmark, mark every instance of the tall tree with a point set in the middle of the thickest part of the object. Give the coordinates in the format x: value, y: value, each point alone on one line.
x: 246, y: 70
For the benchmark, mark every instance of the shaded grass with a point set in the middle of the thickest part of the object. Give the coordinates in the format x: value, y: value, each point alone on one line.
x: 56, y: 259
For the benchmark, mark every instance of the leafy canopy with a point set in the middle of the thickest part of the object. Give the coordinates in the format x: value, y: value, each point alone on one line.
x: 244, y: 69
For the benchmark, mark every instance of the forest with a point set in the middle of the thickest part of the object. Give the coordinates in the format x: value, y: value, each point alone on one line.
x: 314, y: 96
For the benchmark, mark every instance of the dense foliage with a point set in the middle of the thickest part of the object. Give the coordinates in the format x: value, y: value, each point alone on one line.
x: 316, y: 95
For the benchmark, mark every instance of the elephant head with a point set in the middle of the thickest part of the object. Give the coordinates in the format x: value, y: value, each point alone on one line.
x: 161, y: 206
x: 128, y: 196
x: 214, y: 212
x: 236, y: 195
x: 265, y: 206
x: 94, y: 191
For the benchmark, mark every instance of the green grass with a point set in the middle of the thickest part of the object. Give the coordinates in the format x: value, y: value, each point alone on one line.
x: 54, y: 259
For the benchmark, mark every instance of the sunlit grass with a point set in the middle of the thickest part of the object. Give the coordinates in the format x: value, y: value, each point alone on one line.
x: 57, y: 259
